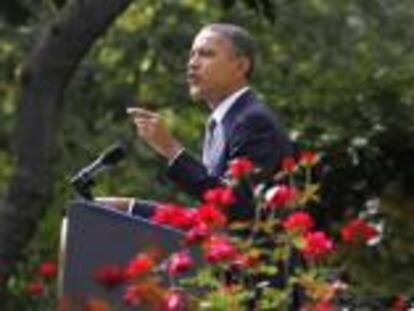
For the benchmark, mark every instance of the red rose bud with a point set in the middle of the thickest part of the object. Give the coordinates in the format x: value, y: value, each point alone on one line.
x: 309, y: 158
x: 317, y: 245
x: 48, y: 269
x: 358, y: 231
x: 180, y: 263
x: 220, y: 196
x: 244, y: 261
x: 298, y: 221
x: 280, y: 196
x: 35, y: 288
x: 289, y: 165
x: 110, y: 276
x: 323, y: 306
x: 240, y: 168
x: 219, y: 249
x: 140, y: 265
x: 197, y: 234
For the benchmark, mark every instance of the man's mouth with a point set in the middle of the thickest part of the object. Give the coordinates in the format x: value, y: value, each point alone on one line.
x: 192, y: 79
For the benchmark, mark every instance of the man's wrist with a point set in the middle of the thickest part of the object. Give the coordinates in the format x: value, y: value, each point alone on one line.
x: 173, y: 151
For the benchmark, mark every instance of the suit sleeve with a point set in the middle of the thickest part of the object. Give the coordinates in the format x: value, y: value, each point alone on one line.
x: 191, y: 175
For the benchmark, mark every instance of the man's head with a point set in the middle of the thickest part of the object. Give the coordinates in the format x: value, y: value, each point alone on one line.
x: 221, y: 61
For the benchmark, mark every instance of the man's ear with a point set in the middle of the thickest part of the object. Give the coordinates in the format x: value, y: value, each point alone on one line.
x: 244, y: 65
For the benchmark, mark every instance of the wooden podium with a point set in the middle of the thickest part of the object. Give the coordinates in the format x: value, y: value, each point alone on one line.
x: 94, y: 236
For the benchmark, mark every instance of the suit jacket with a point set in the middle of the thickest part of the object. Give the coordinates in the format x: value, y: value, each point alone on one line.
x: 251, y: 130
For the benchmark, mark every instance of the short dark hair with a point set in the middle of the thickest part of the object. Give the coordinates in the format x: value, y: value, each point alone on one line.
x: 243, y: 43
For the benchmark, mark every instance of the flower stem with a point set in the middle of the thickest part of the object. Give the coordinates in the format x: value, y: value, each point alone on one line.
x: 256, y: 222
x: 308, y: 177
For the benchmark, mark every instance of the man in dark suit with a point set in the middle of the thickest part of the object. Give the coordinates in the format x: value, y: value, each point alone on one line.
x: 221, y: 60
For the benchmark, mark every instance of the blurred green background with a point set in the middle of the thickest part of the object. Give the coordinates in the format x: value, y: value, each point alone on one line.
x: 341, y: 73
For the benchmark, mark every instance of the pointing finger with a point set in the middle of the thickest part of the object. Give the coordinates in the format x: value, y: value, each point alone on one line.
x: 140, y: 112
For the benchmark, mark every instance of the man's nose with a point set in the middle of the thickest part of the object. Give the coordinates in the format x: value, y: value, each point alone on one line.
x: 193, y: 62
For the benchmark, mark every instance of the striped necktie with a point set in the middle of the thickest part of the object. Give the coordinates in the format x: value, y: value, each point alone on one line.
x: 213, y: 142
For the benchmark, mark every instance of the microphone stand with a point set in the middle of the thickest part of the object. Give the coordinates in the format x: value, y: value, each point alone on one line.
x: 84, y: 180
x: 83, y: 187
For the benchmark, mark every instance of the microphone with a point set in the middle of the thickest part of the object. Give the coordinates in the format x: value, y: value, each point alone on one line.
x: 85, y: 177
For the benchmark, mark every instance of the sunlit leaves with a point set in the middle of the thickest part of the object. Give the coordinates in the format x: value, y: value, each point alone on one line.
x: 138, y: 15
x: 310, y: 194
x: 200, y: 6
x: 110, y: 56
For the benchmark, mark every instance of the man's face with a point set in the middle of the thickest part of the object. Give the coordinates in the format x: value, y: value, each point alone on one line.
x: 213, y: 67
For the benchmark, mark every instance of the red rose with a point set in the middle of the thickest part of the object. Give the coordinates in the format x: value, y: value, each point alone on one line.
x: 400, y: 304
x: 298, y: 221
x: 317, y: 245
x: 110, y: 276
x: 197, y: 234
x: 173, y: 215
x: 140, y: 265
x: 219, y: 249
x: 174, y: 301
x: 48, y: 269
x: 289, y: 165
x: 280, y: 196
x: 35, y: 288
x: 358, y: 231
x: 240, y: 168
x: 211, y: 216
x: 180, y: 263
x: 220, y: 197
x: 133, y: 295
x: 308, y: 158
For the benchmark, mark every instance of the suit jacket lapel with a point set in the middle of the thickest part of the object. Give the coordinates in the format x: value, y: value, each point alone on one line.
x: 216, y: 154
x: 241, y: 103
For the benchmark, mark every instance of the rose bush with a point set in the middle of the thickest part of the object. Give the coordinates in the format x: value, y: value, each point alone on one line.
x: 280, y: 259
x: 277, y: 260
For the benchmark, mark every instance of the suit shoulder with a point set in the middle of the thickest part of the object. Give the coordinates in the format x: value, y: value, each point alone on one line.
x: 257, y: 113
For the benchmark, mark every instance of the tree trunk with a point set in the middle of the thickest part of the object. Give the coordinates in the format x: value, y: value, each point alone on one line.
x: 44, y: 77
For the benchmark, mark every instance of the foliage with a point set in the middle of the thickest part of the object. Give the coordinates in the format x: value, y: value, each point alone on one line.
x: 33, y: 286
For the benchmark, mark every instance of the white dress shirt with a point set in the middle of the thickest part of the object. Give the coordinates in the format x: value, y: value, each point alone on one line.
x: 218, y: 114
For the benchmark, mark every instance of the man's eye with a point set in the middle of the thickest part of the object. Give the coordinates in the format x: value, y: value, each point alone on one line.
x: 202, y: 53
x: 207, y: 53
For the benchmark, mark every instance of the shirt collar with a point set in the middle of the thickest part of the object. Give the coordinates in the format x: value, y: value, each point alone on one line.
x: 225, y: 105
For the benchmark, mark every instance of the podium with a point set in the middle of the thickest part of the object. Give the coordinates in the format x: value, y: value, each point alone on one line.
x: 94, y: 236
